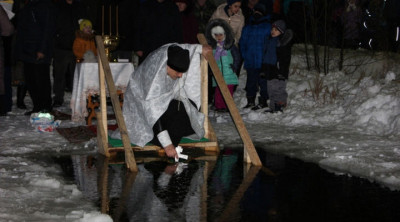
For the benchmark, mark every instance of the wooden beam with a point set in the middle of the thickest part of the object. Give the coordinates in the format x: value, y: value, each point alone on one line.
x: 248, y: 144
x: 129, y: 156
x: 103, y: 101
x: 204, y: 94
x: 102, y: 139
x: 102, y: 184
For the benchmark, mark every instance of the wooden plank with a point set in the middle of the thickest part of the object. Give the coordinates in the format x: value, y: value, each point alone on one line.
x: 204, y: 94
x: 209, y: 131
x: 102, y: 185
x: 155, y: 147
x: 248, y: 144
x: 103, y: 102
x: 129, y: 156
x: 102, y: 143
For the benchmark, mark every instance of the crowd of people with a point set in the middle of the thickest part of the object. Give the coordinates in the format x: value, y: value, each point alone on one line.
x: 257, y: 34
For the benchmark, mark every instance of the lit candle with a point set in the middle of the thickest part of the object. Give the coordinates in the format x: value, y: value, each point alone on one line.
x: 110, y: 19
x: 102, y: 20
x: 116, y: 18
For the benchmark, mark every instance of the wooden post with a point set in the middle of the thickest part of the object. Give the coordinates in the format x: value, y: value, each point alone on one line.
x: 102, y: 184
x: 103, y: 100
x: 204, y: 94
x: 129, y: 156
x: 250, y: 150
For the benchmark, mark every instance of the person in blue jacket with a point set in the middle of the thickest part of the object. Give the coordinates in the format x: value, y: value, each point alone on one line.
x: 251, y: 44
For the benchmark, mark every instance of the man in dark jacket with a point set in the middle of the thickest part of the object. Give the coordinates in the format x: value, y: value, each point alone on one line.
x: 68, y: 14
x: 34, y: 47
x: 158, y: 23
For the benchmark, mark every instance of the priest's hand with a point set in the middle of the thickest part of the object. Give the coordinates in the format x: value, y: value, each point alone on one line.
x: 170, y: 151
x: 206, y: 49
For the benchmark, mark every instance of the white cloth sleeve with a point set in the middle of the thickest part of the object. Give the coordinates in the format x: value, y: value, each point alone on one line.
x: 164, y: 138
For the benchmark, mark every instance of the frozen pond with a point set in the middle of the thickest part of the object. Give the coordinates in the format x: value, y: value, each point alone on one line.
x: 224, y: 189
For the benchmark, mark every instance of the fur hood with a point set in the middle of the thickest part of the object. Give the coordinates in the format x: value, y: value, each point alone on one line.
x: 229, y: 38
x: 82, y: 35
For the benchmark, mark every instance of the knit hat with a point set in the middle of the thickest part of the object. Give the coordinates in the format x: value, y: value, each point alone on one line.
x: 260, y: 8
x: 280, y: 25
x: 83, y: 23
x: 231, y: 2
x: 178, y: 58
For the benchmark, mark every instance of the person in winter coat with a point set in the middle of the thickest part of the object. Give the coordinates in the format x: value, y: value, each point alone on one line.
x: 392, y: 15
x: 6, y: 29
x: 68, y: 14
x: 219, y: 36
x: 84, y: 40
x: 276, y: 62
x: 203, y: 10
x: 157, y: 23
x: 251, y: 44
x: 231, y: 13
x: 18, y: 66
x: 351, y: 21
x: 36, y: 26
x: 190, y: 26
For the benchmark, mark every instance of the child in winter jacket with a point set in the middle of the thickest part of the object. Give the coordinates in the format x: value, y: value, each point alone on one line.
x: 220, y: 36
x: 84, y: 40
x: 251, y: 43
x: 276, y: 62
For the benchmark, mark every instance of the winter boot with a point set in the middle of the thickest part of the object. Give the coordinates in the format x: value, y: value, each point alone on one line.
x: 21, y: 93
x: 262, y: 103
x: 250, y: 102
x: 280, y: 106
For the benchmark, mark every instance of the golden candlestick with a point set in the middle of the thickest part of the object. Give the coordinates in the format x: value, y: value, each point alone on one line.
x: 110, y: 44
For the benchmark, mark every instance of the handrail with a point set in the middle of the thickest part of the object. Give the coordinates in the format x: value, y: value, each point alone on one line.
x: 250, y: 153
x: 105, y: 67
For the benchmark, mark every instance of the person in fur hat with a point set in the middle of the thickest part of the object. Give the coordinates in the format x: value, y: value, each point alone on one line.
x: 276, y: 62
x: 220, y: 37
x: 84, y: 46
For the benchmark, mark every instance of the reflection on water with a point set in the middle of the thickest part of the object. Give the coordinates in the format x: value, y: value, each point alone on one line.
x: 225, y: 189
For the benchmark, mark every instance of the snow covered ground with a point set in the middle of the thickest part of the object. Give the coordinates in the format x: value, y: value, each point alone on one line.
x: 352, y: 127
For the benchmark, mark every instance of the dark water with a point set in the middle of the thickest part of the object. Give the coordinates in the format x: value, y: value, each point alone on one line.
x: 225, y: 189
